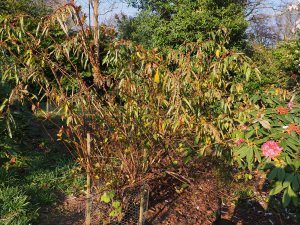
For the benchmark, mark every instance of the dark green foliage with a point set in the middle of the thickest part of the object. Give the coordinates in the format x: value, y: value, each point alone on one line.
x: 279, y: 65
x: 172, y: 23
x: 35, y: 8
x: 287, y: 55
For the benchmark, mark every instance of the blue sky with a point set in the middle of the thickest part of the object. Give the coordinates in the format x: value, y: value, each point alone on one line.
x: 108, y: 8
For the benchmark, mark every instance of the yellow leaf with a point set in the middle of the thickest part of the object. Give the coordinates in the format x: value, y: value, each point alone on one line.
x: 139, y: 55
x: 157, y: 77
x: 175, y: 162
x: 57, y: 99
x: 179, y: 191
x: 239, y: 88
x: 59, y: 134
x: 218, y: 53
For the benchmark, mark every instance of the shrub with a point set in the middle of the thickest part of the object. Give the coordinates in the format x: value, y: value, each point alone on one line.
x: 145, y: 107
x: 269, y: 139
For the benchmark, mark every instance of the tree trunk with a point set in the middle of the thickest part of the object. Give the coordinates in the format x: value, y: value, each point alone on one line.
x: 96, y: 67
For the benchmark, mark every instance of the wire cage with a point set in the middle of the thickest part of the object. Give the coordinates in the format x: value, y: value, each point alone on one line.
x: 134, y: 206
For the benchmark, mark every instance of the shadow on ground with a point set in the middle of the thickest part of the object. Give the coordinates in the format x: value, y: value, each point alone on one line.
x: 43, y: 169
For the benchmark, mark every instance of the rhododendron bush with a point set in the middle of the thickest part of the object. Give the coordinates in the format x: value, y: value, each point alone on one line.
x: 270, y: 140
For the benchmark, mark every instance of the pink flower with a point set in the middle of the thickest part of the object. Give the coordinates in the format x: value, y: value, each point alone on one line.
x: 240, y: 141
x: 271, y: 149
x: 290, y: 105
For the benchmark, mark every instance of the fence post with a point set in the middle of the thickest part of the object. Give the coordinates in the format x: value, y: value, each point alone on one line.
x: 88, y: 182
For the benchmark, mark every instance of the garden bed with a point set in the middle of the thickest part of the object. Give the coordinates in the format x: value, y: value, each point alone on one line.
x: 214, y: 189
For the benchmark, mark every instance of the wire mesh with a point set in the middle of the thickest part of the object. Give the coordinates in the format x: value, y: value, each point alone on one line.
x: 134, y: 206
x: 134, y: 201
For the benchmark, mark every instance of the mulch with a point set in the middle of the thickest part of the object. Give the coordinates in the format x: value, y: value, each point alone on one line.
x: 210, y: 199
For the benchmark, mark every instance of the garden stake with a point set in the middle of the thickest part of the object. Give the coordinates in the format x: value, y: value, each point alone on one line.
x: 142, y: 203
x: 88, y: 183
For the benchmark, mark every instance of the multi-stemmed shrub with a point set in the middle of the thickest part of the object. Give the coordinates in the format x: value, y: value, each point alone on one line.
x: 146, y: 110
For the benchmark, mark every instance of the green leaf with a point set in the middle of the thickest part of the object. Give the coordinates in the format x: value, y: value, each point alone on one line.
x: 292, y: 146
x: 187, y: 159
x: 3, y: 104
x: 260, y: 141
x: 273, y: 174
x: 242, y: 152
x: 295, y: 201
x: 281, y: 174
x: 107, y: 196
x: 295, y: 183
x: 293, y: 195
x: 248, y: 73
x: 257, y: 154
x: 257, y: 73
x: 117, y: 209
x: 296, y: 164
x: 277, y: 189
x: 113, y: 213
x: 286, y: 199
x: 196, y: 141
x: 116, y: 204
x: 249, y: 134
x: 249, y: 157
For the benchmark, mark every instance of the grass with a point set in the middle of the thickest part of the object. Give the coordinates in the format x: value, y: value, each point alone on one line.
x: 43, y: 173
x: 15, y: 206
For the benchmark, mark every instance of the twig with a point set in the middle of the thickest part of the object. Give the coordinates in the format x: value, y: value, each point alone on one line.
x: 179, y: 177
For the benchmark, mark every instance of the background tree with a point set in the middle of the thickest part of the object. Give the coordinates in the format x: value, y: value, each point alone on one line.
x: 33, y: 8
x: 171, y: 23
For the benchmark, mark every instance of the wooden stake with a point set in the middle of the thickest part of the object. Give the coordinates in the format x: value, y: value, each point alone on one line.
x: 88, y: 183
x: 142, y: 203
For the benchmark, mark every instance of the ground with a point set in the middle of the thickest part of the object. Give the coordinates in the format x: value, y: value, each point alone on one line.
x: 210, y: 192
